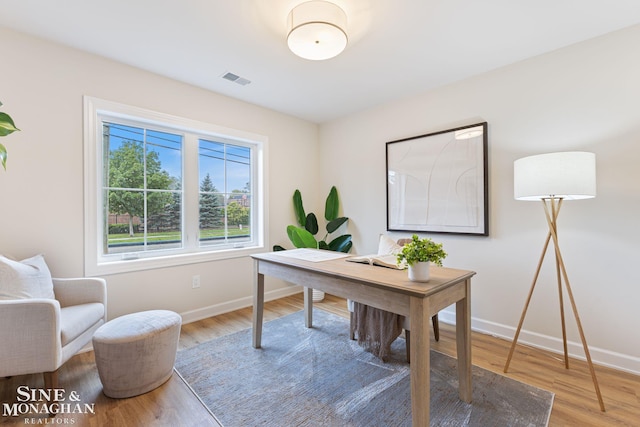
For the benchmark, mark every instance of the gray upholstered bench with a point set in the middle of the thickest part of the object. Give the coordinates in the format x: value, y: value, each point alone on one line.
x: 135, y: 353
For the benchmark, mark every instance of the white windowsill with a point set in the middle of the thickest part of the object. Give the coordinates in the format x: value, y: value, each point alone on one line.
x: 140, y: 264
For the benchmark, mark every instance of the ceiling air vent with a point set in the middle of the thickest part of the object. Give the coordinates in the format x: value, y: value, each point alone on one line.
x: 236, y: 79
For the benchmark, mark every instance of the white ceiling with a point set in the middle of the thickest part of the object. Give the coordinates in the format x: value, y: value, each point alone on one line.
x: 396, y: 47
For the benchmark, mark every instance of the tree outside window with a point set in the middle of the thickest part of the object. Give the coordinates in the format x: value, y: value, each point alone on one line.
x: 140, y: 191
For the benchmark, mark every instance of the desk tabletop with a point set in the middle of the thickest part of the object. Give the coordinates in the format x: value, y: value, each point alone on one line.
x: 383, y: 277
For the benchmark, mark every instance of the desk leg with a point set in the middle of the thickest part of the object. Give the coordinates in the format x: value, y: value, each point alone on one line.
x: 308, y: 307
x: 463, y: 344
x: 419, y: 309
x: 258, y: 304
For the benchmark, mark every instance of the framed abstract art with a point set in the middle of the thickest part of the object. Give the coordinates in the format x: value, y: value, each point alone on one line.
x: 437, y: 182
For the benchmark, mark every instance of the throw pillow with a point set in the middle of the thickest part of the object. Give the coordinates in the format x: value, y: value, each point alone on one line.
x: 388, y: 246
x: 29, y: 278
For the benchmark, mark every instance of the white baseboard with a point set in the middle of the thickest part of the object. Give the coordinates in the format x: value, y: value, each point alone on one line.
x: 599, y: 356
x: 226, y: 307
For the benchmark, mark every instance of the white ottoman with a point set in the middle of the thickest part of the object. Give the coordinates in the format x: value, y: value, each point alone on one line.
x: 135, y: 353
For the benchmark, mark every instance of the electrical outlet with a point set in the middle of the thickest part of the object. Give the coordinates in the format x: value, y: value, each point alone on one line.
x: 195, y: 281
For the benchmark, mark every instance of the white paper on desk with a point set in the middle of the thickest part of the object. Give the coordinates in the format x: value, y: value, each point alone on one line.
x: 313, y: 255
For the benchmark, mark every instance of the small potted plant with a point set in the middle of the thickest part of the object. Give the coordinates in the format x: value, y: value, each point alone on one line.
x: 418, y: 254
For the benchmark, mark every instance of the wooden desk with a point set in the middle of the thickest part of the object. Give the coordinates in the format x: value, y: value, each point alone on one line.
x: 389, y: 290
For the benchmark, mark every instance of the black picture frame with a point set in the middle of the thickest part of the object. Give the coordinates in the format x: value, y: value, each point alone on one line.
x: 438, y: 182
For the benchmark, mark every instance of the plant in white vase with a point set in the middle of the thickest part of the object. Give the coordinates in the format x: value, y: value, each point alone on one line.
x: 418, y: 254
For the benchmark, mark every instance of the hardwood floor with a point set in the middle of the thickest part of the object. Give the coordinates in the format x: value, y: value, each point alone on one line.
x: 173, y: 404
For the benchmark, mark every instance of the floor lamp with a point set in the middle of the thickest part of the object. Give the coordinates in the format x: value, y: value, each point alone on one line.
x: 553, y: 178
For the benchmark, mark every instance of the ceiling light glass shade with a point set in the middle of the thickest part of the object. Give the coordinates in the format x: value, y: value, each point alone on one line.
x: 568, y: 175
x: 468, y: 133
x: 317, y: 30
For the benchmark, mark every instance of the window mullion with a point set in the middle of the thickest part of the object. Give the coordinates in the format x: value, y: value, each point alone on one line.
x: 225, y: 196
x: 191, y: 186
x: 145, y: 193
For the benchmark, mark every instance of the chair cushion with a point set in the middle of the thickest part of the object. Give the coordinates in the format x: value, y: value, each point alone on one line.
x: 388, y: 246
x: 76, y: 319
x: 29, y: 278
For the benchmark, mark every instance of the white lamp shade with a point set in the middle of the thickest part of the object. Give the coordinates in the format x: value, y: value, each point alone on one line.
x: 317, y: 30
x: 568, y: 175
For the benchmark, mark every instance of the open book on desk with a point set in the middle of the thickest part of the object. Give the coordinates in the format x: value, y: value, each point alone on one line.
x: 389, y: 261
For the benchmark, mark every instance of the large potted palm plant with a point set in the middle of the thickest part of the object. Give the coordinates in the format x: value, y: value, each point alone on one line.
x: 6, y: 127
x: 304, y: 234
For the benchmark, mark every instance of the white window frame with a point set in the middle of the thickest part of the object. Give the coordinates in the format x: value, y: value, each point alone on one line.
x: 98, y: 264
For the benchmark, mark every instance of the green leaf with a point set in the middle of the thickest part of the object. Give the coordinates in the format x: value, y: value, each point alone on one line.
x: 323, y: 245
x: 336, y: 223
x: 341, y: 243
x: 298, y: 208
x: 311, y: 224
x: 332, y: 205
x: 3, y: 156
x: 6, y: 125
x: 301, y: 238
x: 277, y: 248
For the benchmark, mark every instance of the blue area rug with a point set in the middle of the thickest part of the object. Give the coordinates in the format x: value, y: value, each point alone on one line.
x: 319, y: 377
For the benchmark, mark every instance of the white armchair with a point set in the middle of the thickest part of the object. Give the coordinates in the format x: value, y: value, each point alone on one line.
x: 41, y: 334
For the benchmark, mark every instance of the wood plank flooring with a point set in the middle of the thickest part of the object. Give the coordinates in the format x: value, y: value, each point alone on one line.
x: 173, y: 404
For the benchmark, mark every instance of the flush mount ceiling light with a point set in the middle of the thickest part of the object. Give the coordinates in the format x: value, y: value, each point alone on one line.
x: 317, y: 30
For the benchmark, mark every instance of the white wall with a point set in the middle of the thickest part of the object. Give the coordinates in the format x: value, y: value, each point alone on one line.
x: 584, y: 97
x: 42, y: 87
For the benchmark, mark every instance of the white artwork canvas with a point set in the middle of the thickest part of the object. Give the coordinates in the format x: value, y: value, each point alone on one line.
x: 437, y: 182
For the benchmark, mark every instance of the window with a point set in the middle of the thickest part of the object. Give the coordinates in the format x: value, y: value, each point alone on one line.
x: 225, y: 193
x: 142, y: 189
x: 162, y: 190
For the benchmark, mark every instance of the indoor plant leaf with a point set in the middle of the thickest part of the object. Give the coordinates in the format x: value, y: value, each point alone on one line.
x: 6, y: 125
x: 341, y: 243
x: 332, y: 205
x: 3, y: 156
x: 301, y: 238
x: 336, y: 223
x: 311, y: 224
x: 298, y: 209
